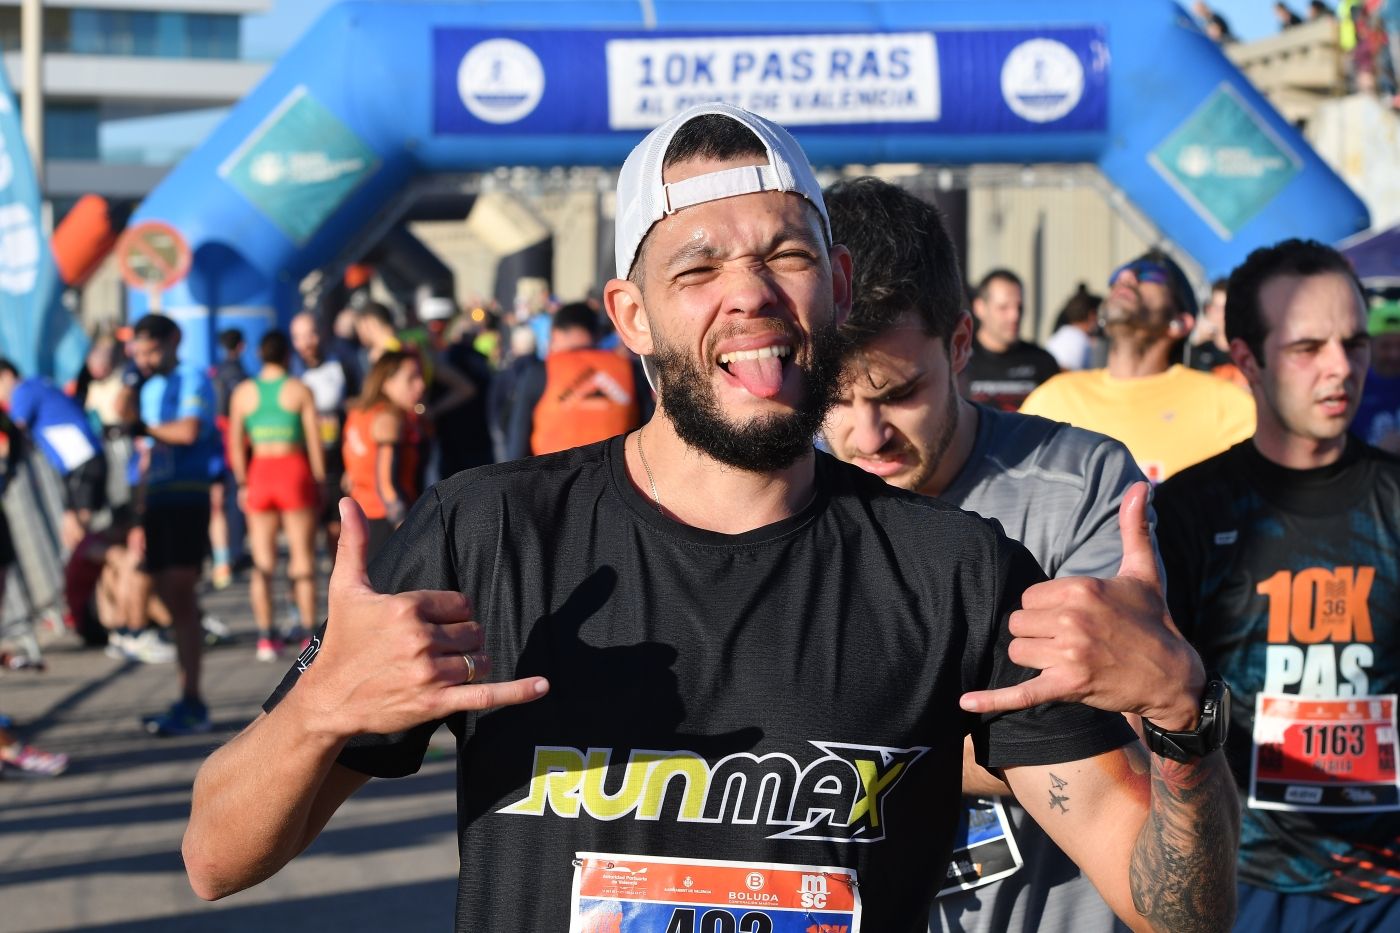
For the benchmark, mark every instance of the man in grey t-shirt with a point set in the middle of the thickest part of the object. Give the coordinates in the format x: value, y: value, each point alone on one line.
x: 1055, y: 488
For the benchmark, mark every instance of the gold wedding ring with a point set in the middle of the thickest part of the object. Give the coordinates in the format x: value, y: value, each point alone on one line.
x: 471, y: 668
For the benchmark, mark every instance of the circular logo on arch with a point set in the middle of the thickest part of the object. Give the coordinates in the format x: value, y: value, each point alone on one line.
x: 1042, y: 80
x: 500, y: 80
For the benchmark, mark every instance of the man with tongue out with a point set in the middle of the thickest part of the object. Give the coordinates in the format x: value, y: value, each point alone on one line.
x: 752, y: 666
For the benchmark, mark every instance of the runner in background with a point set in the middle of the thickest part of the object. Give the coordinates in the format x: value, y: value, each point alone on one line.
x: 227, y: 375
x: 275, y: 416
x: 522, y: 370
x: 1072, y: 343
x: 381, y: 449
x: 1055, y: 488
x: 175, y: 419
x: 1168, y: 416
x: 329, y: 380
x: 1283, y: 563
x: 61, y: 430
x: 581, y: 395
x: 1378, y: 418
x: 457, y: 405
x: 15, y: 755
x: 1004, y: 368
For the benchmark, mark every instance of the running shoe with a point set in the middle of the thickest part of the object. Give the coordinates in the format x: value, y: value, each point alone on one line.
x: 28, y: 761
x: 185, y: 717
x: 221, y: 576
x: 147, y: 647
x: 269, y: 649
x: 216, y: 631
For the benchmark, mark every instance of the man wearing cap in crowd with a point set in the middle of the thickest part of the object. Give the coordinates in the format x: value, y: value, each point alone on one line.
x: 760, y: 662
x: 1378, y: 418
x: 1168, y: 416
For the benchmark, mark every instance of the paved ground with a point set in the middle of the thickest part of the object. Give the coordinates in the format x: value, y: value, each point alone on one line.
x: 98, y: 849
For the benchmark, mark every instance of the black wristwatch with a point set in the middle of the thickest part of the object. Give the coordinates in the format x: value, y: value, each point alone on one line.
x: 1209, y: 733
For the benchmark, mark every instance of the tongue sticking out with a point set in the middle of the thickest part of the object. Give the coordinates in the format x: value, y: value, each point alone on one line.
x: 762, y: 377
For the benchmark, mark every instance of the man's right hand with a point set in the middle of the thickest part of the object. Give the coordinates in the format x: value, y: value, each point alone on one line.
x: 388, y: 663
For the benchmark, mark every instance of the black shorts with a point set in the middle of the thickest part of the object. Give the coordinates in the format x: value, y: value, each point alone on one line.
x: 85, y: 488
x: 176, y: 536
x: 7, y: 544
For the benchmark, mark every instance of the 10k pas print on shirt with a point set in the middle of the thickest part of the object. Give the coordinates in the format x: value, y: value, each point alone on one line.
x: 783, y: 697
x: 1286, y: 583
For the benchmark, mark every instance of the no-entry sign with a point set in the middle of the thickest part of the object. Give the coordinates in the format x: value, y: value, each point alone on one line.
x: 153, y: 256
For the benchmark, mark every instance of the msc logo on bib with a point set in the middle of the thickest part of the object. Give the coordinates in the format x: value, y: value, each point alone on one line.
x: 500, y: 80
x: 838, y: 797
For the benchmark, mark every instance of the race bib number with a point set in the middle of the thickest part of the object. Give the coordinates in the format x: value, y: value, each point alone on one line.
x: 1324, y: 755
x: 643, y: 894
x: 984, y: 849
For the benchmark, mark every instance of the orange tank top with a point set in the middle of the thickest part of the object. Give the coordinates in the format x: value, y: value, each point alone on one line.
x: 359, y: 452
x: 589, y: 395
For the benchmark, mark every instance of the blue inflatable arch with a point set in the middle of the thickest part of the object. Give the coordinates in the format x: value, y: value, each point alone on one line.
x: 377, y: 93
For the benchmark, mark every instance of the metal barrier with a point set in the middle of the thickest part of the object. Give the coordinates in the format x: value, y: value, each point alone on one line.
x: 33, y: 505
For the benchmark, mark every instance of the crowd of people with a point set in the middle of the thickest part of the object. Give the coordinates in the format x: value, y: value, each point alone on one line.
x: 223, y: 469
x: 736, y: 520
x: 1368, y: 36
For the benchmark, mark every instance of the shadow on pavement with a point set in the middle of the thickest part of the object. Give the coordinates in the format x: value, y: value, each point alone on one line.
x: 363, y: 839
x: 427, y: 905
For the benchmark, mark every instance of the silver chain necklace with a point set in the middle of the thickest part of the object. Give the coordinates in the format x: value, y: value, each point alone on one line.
x: 646, y: 466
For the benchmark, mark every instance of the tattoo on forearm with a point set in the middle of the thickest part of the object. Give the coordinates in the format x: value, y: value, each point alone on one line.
x: 1182, y: 872
x: 1058, y: 800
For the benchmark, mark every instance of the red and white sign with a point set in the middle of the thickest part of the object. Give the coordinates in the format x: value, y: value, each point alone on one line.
x: 153, y: 256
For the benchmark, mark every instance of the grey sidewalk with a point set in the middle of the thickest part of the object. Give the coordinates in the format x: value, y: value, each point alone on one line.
x: 98, y: 849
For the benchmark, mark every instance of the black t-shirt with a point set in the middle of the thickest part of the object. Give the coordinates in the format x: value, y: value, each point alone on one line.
x: 1288, y: 583
x: 788, y: 695
x: 1003, y: 380
x: 1206, y: 356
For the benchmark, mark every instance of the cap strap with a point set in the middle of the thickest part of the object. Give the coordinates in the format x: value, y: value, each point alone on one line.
x: 728, y: 183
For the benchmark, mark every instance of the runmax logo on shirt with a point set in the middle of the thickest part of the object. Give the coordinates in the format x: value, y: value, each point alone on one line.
x: 838, y: 797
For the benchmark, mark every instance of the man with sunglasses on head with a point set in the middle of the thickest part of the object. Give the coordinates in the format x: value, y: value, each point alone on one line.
x: 1168, y: 416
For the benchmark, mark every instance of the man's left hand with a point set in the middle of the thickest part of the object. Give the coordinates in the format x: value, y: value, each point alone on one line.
x: 1109, y: 644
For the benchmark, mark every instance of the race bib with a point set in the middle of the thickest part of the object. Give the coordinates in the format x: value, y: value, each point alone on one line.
x: 984, y: 849
x: 1324, y: 755
x: 644, y: 894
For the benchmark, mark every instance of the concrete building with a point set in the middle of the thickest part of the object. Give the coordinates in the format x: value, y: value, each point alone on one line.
x: 113, y: 60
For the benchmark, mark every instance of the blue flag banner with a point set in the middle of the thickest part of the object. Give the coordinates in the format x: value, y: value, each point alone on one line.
x: 37, y: 331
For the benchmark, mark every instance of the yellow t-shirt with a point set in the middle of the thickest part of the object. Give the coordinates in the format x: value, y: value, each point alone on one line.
x: 1168, y: 422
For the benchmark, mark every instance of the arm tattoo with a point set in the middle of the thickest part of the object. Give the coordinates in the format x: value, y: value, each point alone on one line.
x: 1058, y: 800
x: 1182, y: 872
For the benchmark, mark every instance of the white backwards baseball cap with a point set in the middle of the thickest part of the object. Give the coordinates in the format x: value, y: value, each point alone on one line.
x: 642, y: 198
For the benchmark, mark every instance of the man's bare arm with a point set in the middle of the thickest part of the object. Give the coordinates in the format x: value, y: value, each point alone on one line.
x: 1182, y: 872
x: 388, y: 663
x: 977, y: 781
x: 260, y: 800
x: 1159, y: 839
